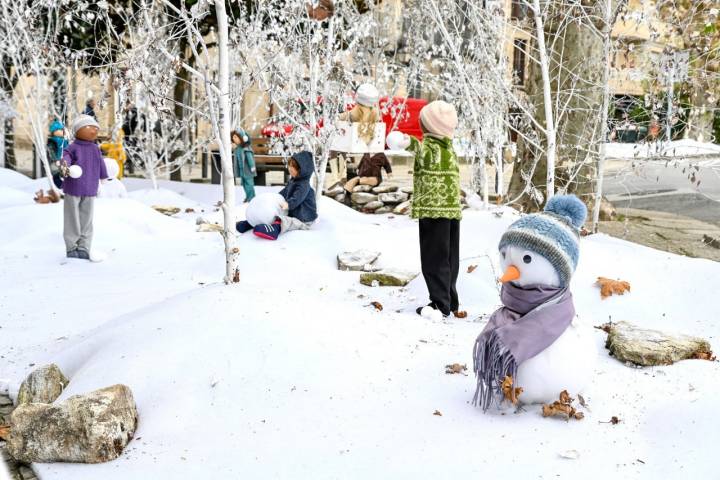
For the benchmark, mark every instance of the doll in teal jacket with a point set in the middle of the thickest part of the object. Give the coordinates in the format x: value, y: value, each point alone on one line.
x: 244, y: 162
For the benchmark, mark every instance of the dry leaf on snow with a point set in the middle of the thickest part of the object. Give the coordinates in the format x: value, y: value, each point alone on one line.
x: 471, y: 268
x: 614, y: 420
x: 455, y: 368
x: 437, y: 412
x: 509, y: 392
x: 4, y: 432
x: 610, y: 287
x: 562, y: 408
x: 378, y: 306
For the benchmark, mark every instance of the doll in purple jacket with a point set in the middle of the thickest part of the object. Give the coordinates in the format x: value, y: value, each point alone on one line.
x: 84, y: 168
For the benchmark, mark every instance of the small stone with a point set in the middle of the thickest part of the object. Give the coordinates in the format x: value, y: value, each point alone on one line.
x: 408, y: 190
x: 383, y: 210
x: 43, y: 385
x: 394, y: 197
x: 362, y: 198
x: 340, y: 198
x: 388, y: 278
x: 362, y: 188
x: 645, y: 347
x: 357, y: 260
x: 90, y: 428
x: 385, y: 188
x: 372, y: 206
x: 403, y: 208
x: 4, y: 401
x: 335, y: 191
x: 166, y: 209
x: 26, y: 473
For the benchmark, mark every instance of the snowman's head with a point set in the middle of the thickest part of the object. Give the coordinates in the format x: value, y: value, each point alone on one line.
x: 543, y: 248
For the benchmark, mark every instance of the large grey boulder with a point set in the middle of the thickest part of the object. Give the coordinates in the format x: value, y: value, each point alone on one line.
x: 394, y: 197
x: 91, y: 428
x: 645, y: 347
x: 43, y: 385
x: 362, y: 188
x: 357, y: 260
x: 385, y: 188
x: 361, y: 198
x: 387, y: 278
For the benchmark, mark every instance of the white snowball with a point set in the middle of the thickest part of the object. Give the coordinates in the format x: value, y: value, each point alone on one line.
x: 264, y: 208
x: 112, y: 167
x: 397, y: 141
x: 75, y: 171
x: 431, y: 313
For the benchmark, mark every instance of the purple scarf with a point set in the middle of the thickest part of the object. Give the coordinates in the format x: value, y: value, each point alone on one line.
x: 529, y: 321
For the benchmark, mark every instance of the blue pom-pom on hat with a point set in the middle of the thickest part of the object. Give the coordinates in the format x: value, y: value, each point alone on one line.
x: 570, y: 207
x: 553, y: 233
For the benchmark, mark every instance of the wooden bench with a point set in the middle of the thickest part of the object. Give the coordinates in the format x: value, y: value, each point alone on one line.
x: 267, y: 162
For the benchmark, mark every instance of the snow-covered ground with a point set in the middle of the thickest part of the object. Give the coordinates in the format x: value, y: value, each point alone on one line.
x: 676, y: 148
x: 291, y: 374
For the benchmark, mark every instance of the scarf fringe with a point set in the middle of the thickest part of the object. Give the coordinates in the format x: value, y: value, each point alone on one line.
x: 492, y: 361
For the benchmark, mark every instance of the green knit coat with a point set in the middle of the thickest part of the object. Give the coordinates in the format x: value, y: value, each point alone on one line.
x: 436, y: 182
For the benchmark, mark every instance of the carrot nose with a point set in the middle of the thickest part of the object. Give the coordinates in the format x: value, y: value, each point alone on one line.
x: 511, y: 273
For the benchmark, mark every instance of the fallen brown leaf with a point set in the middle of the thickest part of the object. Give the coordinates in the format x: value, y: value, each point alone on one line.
x: 610, y: 287
x: 437, y: 412
x: 189, y: 210
x: 378, y: 306
x: 605, y: 327
x: 510, y: 393
x: 471, y: 268
x: 614, y: 420
x: 4, y: 432
x: 562, y: 408
x: 460, y: 314
x: 455, y: 368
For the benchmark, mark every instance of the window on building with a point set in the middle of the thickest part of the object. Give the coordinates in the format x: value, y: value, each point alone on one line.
x: 519, y: 61
x: 518, y: 10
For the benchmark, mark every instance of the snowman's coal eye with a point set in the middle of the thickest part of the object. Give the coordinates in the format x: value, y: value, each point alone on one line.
x: 527, y: 259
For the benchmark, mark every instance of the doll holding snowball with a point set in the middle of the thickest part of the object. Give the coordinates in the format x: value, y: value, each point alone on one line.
x: 83, y: 167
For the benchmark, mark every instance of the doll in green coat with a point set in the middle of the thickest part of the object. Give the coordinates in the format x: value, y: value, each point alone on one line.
x: 244, y: 162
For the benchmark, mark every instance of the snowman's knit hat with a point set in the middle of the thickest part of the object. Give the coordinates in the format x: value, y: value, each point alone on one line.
x: 553, y: 233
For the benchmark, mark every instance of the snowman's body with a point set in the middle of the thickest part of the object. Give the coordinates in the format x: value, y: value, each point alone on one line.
x: 568, y: 363
x: 112, y: 187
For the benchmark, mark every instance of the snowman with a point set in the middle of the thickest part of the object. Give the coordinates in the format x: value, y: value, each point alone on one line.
x: 112, y: 187
x: 534, y: 337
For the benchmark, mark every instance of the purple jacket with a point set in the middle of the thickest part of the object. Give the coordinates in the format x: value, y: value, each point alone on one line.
x: 90, y: 159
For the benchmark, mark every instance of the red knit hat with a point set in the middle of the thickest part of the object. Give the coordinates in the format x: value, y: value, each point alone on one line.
x: 439, y: 118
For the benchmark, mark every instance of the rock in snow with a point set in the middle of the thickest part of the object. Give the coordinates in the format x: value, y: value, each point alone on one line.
x: 357, y: 260
x: 388, y: 278
x: 43, y: 385
x: 385, y: 188
x: 393, y: 197
x: 91, y: 428
x: 361, y: 198
x: 645, y: 347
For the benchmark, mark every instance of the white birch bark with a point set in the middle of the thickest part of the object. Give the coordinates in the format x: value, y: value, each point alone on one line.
x: 603, y: 116
x: 550, y: 133
x: 232, y: 272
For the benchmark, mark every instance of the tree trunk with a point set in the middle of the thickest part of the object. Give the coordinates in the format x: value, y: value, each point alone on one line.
x: 232, y: 272
x: 9, y: 145
x: 700, y: 120
x: 576, y: 63
x: 180, y: 95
